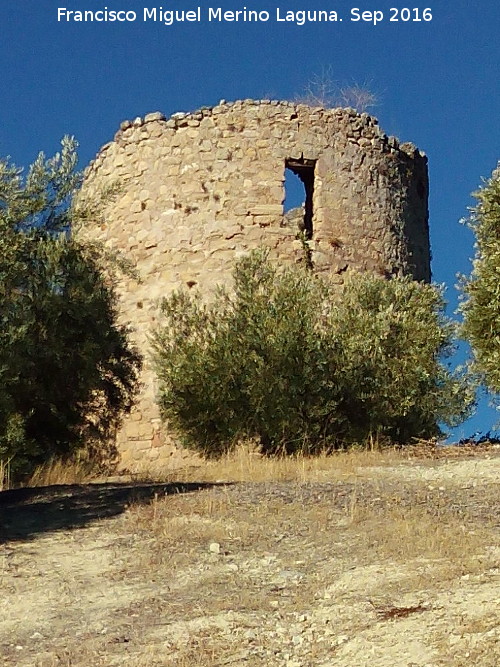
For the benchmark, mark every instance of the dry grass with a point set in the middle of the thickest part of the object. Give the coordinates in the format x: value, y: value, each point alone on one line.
x: 388, y: 529
x: 398, y: 532
x: 427, y: 530
x: 419, y: 551
x: 473, y: 641
x: 57, y: 471
x: 5, y: 479
x: 359, y: 544
x: 246, y: 464
x: 443, y: 545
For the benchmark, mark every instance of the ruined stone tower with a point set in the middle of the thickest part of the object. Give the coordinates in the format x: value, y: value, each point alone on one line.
x: 199, y: 189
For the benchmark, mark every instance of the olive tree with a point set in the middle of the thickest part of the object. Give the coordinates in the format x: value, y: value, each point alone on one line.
x: 481, y: 307
x: 67, y: 370
x: 284, y: 359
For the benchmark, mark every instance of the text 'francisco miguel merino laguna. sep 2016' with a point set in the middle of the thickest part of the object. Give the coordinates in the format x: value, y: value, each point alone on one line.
x: 171, y: 17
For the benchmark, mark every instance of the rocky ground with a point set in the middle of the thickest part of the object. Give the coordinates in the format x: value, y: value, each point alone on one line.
x: 382, y: 563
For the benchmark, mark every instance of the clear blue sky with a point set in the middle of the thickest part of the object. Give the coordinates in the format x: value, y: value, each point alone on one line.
x: 438, y: 84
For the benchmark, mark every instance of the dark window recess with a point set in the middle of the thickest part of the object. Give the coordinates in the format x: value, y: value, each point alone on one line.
x: 304, y: 170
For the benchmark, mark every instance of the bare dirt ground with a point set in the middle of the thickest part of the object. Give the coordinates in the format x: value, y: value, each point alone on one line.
x: 378, y: 560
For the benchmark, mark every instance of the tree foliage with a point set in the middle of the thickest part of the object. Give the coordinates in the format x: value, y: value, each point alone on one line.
x: 481, y: 307
x: 282, y: 359
x: 67, y: 371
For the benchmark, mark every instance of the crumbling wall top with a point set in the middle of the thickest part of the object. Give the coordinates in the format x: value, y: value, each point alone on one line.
x: 284, y: 110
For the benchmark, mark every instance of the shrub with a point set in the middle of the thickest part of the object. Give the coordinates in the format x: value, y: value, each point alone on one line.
x: 282, y: 359
x: 481, y: 307
x: 322, y: 90
x: 67, y: 370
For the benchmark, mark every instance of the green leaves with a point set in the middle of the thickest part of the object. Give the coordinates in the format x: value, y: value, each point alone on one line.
x: 42, y: 199
x: 287, y: 360
x: 481, y: 307
x: 67, y: 371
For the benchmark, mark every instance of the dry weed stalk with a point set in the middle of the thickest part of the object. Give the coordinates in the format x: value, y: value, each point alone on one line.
x: 58, y: 471
x: 5, y: 475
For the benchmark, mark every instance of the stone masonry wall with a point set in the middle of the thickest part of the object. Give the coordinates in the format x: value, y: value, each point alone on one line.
x: 199, y: 189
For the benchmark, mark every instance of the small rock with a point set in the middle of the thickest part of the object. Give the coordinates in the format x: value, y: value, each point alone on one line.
x: 268, y: 560
x: 292, y: 575
x: 214, y: 548
x: 156, y: 115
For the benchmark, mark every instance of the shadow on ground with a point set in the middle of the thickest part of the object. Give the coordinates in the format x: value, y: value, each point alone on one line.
x: 25, y: 513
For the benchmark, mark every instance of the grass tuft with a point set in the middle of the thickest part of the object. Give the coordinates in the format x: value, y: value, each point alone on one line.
x: 58, y: 471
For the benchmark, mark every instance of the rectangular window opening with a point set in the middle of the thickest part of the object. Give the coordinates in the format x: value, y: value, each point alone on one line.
x: 299, y: 191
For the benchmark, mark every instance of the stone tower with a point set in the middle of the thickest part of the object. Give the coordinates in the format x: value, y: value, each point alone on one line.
x: 199, y: 189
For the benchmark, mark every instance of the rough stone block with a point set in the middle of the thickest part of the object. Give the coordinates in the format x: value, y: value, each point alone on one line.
x: 267, y: 209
